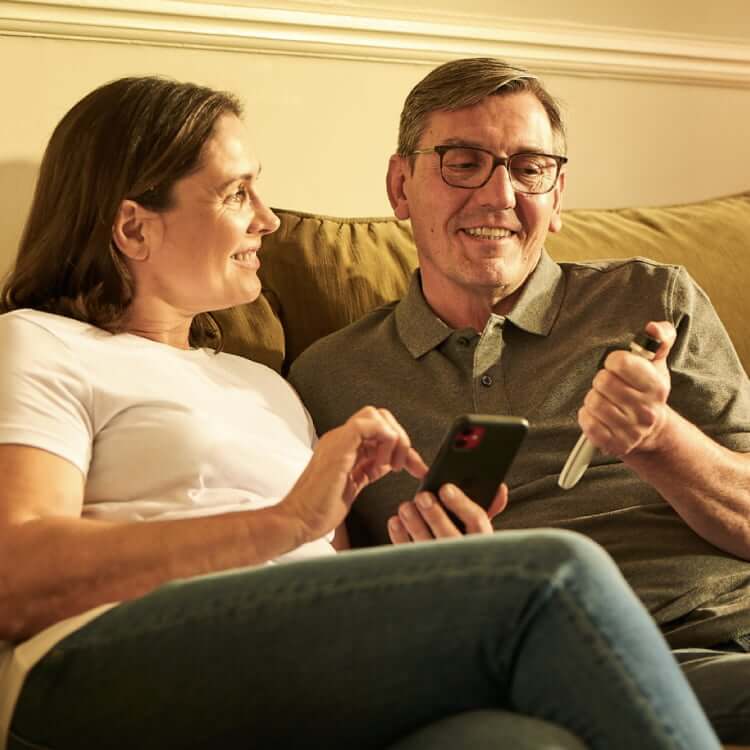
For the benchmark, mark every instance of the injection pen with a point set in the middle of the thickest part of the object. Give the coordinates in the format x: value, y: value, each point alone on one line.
x: 581, y: 455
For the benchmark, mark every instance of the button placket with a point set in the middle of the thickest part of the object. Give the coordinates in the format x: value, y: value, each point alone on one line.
x: 489, y: 395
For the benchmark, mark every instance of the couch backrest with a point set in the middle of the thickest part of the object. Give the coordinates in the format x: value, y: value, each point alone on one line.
x: 320, y: 273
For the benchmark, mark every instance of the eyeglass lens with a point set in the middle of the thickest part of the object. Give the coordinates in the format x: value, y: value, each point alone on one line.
x: 470, y: 167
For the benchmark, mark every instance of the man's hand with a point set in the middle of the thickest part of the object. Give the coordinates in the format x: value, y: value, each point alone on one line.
x: 369, y: 445
x: 626, y: 408
x: 425, y: 518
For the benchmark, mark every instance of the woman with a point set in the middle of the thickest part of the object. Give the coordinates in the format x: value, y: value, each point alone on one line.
x: 172, y: 634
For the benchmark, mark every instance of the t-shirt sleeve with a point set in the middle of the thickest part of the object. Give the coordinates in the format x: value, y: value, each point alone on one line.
x: 709, y: 385
x: 44, y: 397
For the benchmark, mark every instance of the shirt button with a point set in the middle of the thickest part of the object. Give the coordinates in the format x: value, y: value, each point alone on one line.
x: 463, y: 341
x: 487, y: 380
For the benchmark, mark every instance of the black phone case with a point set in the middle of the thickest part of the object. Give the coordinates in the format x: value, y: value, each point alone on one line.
x: 478, y: 471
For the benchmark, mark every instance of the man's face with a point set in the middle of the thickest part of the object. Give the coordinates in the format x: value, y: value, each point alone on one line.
x: 481, y: 242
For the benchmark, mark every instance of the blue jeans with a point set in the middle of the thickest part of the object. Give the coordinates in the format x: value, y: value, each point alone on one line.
x: 365, y: 649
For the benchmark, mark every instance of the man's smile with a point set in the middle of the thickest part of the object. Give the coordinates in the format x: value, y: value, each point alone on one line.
x: 488, y: 233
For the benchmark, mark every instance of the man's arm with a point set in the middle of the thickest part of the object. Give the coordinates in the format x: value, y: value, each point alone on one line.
x: 626, y: 414
x: 706, y: 483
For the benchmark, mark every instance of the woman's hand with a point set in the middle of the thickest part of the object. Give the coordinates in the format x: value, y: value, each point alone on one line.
x: 425, y: 517
x: 369, y: 445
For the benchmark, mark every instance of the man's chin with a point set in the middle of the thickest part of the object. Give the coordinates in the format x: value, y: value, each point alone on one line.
x: 498, y: 273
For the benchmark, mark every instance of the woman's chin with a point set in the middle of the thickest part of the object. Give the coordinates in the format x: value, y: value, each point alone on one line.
x: 238, y: 296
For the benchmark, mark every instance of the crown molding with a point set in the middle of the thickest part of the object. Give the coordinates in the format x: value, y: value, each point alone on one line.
x: 567, y: 49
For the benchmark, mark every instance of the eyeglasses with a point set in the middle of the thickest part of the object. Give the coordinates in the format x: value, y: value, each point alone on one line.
x: 470, y: 167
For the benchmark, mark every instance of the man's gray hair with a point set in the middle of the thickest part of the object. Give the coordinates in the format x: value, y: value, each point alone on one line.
x: 463, y: 83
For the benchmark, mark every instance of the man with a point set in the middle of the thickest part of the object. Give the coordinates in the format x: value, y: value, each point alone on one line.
x: 492, y: 324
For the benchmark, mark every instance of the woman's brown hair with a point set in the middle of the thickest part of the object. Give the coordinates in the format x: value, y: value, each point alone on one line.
x: 132, y: 139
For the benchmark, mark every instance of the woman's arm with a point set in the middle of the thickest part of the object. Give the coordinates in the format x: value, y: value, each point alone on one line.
x: 55, y: 564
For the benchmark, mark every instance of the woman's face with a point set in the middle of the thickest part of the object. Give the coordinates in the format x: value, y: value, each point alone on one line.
x: 204, y: 254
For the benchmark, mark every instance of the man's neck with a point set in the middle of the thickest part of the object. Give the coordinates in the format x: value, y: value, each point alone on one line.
x: 472, y: 309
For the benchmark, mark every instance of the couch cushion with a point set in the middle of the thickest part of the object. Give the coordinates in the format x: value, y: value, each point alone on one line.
x: 320, y: 273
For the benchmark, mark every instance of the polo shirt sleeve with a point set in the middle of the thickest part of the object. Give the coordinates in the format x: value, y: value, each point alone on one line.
x: 44, y: 394
x: 709, y: 385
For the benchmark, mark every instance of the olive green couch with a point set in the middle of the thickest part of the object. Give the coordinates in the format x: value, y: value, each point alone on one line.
x: 320, y: 273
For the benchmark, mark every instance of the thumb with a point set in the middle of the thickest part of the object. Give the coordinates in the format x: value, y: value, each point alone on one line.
x: 664, y: 332
x: 499, y: 502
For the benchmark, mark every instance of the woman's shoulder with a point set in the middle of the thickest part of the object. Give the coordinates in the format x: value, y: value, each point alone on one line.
x: 244, y: 366
x: 35, y: 323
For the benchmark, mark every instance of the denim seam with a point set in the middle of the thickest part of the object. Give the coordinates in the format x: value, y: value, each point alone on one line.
x: 481, y: 575
x: 562, y: 586
x: 565, y: 585
x: 292, y: 594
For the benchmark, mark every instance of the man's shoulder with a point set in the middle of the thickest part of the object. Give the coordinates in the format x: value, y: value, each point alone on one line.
x: 341, y: 346
x: 336, y: 375
x: 626, y: 266
x: 616, y: 278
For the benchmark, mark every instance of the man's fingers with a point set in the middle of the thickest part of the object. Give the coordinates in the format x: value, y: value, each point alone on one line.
x: 473, y: 516
x: 397, y: 531
x: 664, y: 331
x: 625, y: 410
x: 412, y: 520
x: 433, y: 513
x: 499, y: 502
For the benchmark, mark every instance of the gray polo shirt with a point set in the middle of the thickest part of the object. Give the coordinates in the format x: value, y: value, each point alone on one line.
x: 538, y: 362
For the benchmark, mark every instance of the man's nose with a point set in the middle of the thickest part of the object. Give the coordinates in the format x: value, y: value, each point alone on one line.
x: 498, y: 191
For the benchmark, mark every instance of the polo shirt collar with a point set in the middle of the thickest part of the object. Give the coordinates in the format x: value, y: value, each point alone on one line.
x: 418, y: 326
x: 535, y: 312
x: 541, y: 298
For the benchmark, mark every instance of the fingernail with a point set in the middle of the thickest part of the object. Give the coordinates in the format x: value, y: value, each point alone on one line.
x: 449, y: 491
x: 424, y: 501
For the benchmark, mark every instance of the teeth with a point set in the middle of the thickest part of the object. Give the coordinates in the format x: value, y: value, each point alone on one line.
x: 242, y: 256
x: 490, y: 233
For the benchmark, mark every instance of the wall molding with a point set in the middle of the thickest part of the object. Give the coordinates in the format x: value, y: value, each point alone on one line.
x: 566, y: 49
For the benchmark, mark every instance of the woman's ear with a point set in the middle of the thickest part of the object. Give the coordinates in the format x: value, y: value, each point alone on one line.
x: 395, y: 183
x: 133, y: 230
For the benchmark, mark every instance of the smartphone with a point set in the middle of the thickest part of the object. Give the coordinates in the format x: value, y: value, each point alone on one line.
x: 475, y: 455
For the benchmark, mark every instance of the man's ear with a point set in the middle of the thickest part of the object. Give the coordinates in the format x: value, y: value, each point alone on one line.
x: 395, y: 184
x: 555, y: 221
x: 133, y: 230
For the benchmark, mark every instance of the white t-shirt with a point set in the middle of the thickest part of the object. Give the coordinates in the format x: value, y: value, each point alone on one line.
x: 158, y: 432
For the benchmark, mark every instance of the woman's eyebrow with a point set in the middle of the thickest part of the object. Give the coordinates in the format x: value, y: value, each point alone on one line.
x: 246, y: 177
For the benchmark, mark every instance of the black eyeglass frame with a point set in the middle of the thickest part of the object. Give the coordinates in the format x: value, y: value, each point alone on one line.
x: 496, y: 161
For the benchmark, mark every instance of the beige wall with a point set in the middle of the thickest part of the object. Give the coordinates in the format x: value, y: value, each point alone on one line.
x: 324, y: 127
x: 719, y: 18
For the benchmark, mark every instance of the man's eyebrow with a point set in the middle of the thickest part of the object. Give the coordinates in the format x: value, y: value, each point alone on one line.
x: 528, y: 149
x: 462, y: 142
